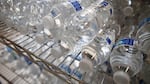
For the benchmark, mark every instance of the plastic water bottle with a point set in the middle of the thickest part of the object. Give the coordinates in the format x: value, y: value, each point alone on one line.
x: 6, y: 11
x: 124, y: 6
x: 126, y: 60
x: 143, y: 33
x: 31, y: 12
x: 32, y: 71
x: 61, y: 11
x: 6, y: 57
x: 20, y: 63
x: 98, y: 51
x: 9, y: 56
x: 26, y: 13
x: 47, y: 78
x: 20, y: 66
x: 85, y: 25
x: 81, y: 28
x: 101, y: 79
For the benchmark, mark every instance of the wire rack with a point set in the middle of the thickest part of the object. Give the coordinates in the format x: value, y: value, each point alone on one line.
x: 40, y: 54
x: 25, y: 45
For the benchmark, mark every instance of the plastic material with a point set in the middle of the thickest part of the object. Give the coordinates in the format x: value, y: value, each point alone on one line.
x: 121, y: 77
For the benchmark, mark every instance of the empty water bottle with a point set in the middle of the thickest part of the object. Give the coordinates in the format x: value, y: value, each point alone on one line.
x: 20, y: 63
x: 26, y: 13
x: 9, y: 56
x: 124, y: 6
x: 47, y: 78
x: 143, y: 33
x: 57, y: 15
x: 81, y: 28
x: 98, y: 51
x: 126, y: 60
x: 6, y: 57
x: 32, y: 71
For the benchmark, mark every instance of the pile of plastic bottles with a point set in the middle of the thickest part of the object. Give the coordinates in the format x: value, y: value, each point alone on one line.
x: 102, y: 30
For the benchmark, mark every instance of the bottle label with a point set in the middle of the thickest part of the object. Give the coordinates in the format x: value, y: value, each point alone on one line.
x: 70, y: 71
x: 108, y: 40
x: 27, y: 60
x: 77, y: 74
x: 77, y: 56
x: 98, y: 39
x: 9, y: 49
x: 104, y: 4
x: 66, y: 68
x: 53, y: 13
x: 111, y: 11
x: 76, y: 5
x: 127, y: 41
x: 146, y: 20
x: 14, y: 54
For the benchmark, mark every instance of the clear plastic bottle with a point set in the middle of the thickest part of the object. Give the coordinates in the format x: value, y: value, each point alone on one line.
x: 98, y: 51
x: 29, y: 14
x: 81, y: 28
x: 26, y: 13
x: 9, y: 55
x: 20, y: 63
x: 6, y: 11
x: 143, y: 33
x: 85, y: 25
x: 6, y: 57
x: 61, y: 11
x: 126, y: 60
x: 32, y: 71
x: 125, y: 6
x: 47, y: 78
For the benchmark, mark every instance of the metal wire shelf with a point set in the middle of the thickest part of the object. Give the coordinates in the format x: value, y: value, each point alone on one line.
x: 25, y: 45
x: 22, y: 45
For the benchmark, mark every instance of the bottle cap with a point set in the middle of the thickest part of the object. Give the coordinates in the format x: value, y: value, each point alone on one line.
x: 56, y: 52
x: 40, y: 38
x: 121, y: 77
x: 48, y: 22
x: 59, y: 51
x: 86, y: 65
x: 128, y: 11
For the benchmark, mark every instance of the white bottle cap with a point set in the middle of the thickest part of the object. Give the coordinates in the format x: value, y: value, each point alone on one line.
x: 57, y: 51
x: 128, y: 11
x: 86, y: 65
x: 121, y: 77
x: 48, y: 22
x: 40, y: 38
